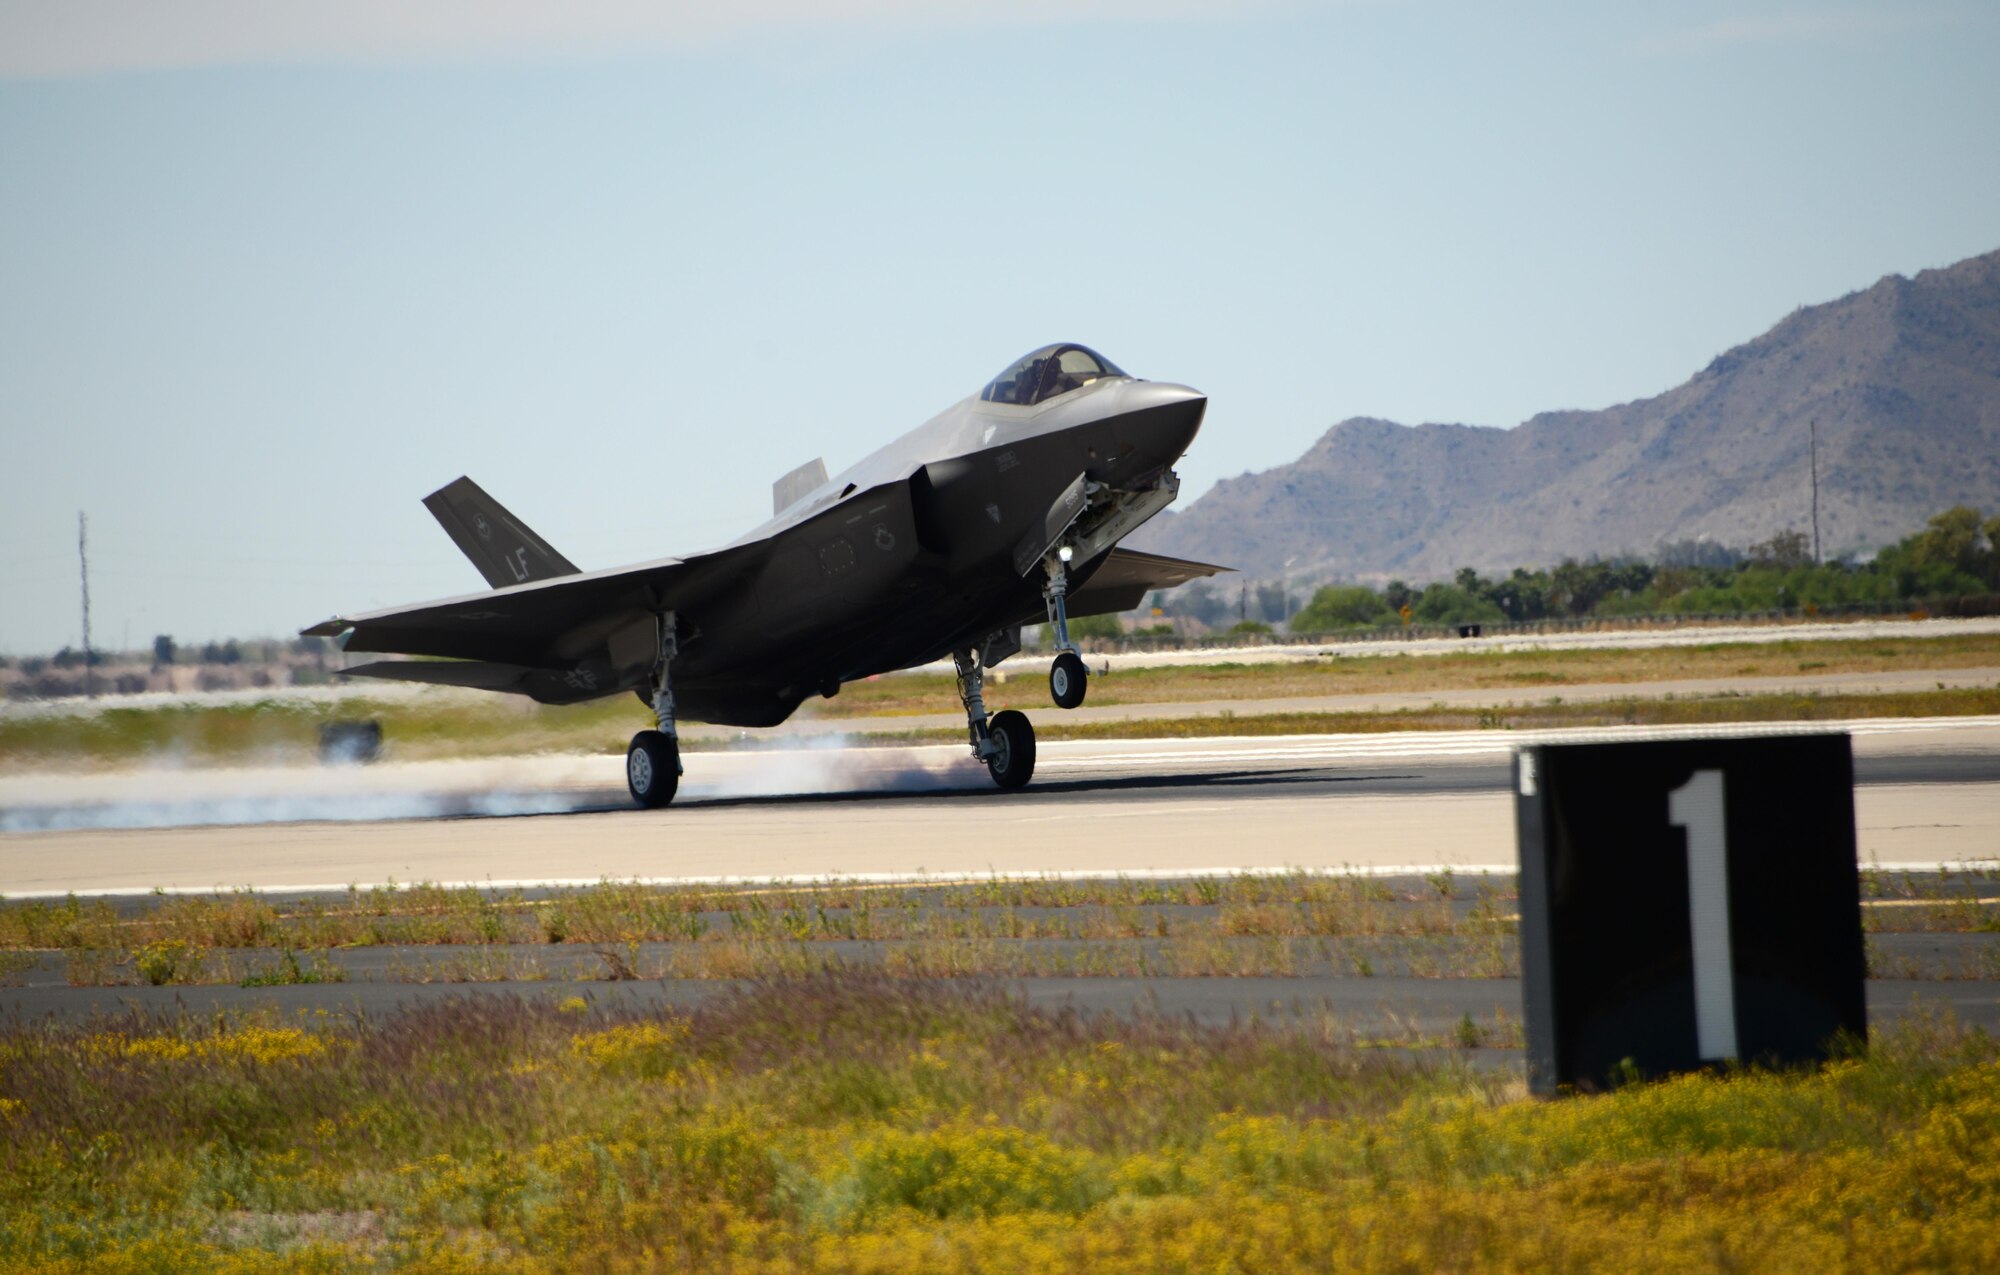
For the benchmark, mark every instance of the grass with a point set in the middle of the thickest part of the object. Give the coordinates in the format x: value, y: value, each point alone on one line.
x: 1471, y: 670
x: 860, y: 1123
x: 619, y: 912
x: 449, y: 723
x: 1723, y: 709
x: 1297, y: 924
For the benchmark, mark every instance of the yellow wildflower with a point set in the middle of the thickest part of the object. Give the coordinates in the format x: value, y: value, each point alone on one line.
x: 651, y: 1050
x: 262, y: 1045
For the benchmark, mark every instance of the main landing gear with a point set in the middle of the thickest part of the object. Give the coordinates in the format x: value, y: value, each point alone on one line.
x: 1005, y: 742
x: 653, y: 762
x: 1068, y: 679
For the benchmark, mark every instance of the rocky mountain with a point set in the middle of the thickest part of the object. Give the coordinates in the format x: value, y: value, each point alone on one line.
x: 1903, y: 380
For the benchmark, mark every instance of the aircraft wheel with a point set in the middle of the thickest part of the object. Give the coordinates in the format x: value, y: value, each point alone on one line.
x: 1068, y: 680
x: 653, y: 768
x: 1013, y: 763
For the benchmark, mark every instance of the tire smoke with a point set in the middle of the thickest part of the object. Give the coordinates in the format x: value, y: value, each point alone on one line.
x: 170, y: 794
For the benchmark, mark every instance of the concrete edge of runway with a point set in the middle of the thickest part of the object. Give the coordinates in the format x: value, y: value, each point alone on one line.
x: 1472, y: 870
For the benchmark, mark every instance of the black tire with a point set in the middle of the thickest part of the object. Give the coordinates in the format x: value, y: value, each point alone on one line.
x: 1013, y: 764
x: 1068, y: 680
x: 652, y: 769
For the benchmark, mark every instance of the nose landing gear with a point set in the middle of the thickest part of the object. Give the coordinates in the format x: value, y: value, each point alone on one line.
x: 1068, y: 680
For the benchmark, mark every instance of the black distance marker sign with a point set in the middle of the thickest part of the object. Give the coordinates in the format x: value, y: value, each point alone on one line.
x: 1686, y: 903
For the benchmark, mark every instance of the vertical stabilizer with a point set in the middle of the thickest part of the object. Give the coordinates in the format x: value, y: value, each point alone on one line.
x: 499, y: 544
x: 795, y: 486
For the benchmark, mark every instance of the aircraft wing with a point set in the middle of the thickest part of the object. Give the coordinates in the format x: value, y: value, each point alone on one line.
x: 545, y: 622
x: 1126, y: 576
x: 478, y: 674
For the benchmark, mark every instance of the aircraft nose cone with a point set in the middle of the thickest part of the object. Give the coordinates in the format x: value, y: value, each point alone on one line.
x: 1161, y: 418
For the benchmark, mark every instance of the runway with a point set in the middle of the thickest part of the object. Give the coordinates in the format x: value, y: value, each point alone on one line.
x: 1928, y: 791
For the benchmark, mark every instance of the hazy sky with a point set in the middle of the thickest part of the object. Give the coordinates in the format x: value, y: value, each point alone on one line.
x: 270, y: 272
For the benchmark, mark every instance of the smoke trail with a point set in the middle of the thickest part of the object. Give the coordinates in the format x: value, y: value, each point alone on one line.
x: 347, y: 808
x: 166, y: 795
x: 826, y: 765
x: 170, y: 794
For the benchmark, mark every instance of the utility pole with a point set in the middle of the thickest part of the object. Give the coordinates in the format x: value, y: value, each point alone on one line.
x: 1817, y: 560
x: 83, y: 563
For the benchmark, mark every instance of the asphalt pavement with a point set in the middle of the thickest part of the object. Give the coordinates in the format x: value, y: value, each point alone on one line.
x: 1928, y: 791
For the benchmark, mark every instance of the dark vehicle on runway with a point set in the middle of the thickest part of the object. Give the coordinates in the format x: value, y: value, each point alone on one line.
x: 1001, y: 510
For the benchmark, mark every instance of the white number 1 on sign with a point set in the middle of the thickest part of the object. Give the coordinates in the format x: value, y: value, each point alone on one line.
x: 1696, y: 807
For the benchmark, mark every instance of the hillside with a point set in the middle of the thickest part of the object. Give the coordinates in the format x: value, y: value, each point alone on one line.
x: 1903, y: 380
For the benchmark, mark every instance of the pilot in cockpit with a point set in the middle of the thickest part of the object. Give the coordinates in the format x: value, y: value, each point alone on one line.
x: 1046, y: 373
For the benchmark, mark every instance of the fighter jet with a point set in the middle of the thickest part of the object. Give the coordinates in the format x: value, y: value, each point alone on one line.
x: 1001, y: 510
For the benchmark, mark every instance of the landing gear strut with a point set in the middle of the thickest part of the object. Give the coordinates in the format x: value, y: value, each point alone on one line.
x: 1068, y: 680
x: 653, y: 762
x: 1006, y: 742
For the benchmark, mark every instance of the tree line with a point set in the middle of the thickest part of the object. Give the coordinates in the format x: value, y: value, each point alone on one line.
x: 1956, y: 555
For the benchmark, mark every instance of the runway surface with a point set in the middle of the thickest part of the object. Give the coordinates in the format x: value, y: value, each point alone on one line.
x: 1928, y: 791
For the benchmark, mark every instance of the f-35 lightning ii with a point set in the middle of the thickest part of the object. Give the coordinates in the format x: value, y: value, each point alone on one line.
x: 1001, y: 510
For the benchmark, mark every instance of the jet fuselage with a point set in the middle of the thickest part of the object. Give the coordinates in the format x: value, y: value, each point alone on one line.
x: 882, y: 582
x: 938, y: 543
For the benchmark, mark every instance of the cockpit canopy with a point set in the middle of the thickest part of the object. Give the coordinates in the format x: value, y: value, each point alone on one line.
x: 1049, y: 371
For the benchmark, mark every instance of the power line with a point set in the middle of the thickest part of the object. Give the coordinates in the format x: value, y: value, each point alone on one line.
x: 83, y: 565
x: 1817, y: 560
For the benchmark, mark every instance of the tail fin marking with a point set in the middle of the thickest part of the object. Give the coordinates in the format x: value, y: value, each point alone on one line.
x: 499, y: 544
